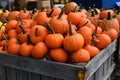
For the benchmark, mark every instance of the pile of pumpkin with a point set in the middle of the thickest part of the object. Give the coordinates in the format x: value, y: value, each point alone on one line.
x: 70, y: 34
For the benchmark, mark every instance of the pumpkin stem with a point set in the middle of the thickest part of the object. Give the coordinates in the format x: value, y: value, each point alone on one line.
x: 106, y: 27
x: 59, y: 17
x: 93, y: 7
x: 74, y: 10
x: 93, y: 14
x: 22, y: 29
x: 80, y: 7
x: 118, y: 11
x: 70, y: 28
x: 25, y: 10
x: 93, y: 40
x: 50, y: 27
x: 5, y: 37
x: 109, y: 16
x: 89, y: 12
x: 51, y: 3
x: 3, y: 47
x: 28, y: 39
x: 20, y: 20
x: 33, y: 12
x: 82, y: 25
x: 49, y: 15
x: 42, y: 9
x: 36, y: 31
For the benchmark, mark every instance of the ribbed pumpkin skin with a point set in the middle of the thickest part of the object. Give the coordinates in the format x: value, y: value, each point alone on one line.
x: 73, y: 17
x: 69, y: 7
x: 104, y: 13
x: 39, y: 50
x: 10, y: 25
x: 58, y: 54
x: 60, y: 26
x: 104, y: 41
x: 81, y: 56
x: 87, y: 34
x: 92, y: 50
x: 13, y: 15
x: 54, y: 40
x: 112, y: 33
x: 41, y: 18
x: 74, y: 42
x: 42, y: 31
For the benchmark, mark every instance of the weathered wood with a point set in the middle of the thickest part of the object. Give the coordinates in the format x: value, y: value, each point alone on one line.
x: 11, y: 73
x: 109, y: 73
x: 49, y: 68
x: 97, y: 61
x: 2, y: 73
x: 21, y: 75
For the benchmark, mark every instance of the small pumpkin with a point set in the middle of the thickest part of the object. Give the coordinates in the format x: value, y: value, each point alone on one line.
x: 13, y: 15
x: 59, y: 55
x: 73, y: 42
x: 69, y: 7
x: 12, y: 33
x: 38, y: 33
x: 54, y: 40
x: 39, y: 50
x: 81, y: 56
x: 25, y: 48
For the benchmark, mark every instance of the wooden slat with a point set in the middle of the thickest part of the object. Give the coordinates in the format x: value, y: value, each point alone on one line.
x: 35, y: 76
x: 97, y: 61
x: 2, y: 73
x: 49, y: 68
x: 21, y: 75
x: 109, y: 72
x: 11, y: 73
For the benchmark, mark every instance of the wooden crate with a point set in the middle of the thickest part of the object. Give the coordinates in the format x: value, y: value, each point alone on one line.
x: 15, y: 67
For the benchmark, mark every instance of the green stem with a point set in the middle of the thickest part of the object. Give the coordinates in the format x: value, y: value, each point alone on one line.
x: 74, y: 10
x: 42, y: 9
x: 59, y: 17
x: 36, y: 31
x: 28, y: 39
x: 49, y: 15
x: 106, y: 27
x: 93, y: 14
x: 20, y: 20
x: 109, y: 16
x: 50, y: 27
x: 70, y: 28
x: 25, y: 10
x: 3, y: 47
x: 22, y: 29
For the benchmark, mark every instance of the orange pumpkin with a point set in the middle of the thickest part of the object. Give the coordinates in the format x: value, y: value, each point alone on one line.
x: 69, y: 7
x: 39, y: 50
x: 81, y: 56
x: 13, y: 15
x: 38, y: 33
x: 59, y: 55
x: 54, y: 40
x: 73, y: 42
x: 25, y: 48
x: 103, y: 41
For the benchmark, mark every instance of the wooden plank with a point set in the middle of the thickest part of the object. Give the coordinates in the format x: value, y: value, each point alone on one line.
x: 21, y: 75
x: 2, y: 73
x: 49, y: 68
x: 109, y: 72
x: 11, y: 73
x: 35, y: 76
x: 97, y: 61
x: 105, y: 67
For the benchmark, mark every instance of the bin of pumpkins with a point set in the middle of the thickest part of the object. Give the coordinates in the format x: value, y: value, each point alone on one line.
x: 69, y: 35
